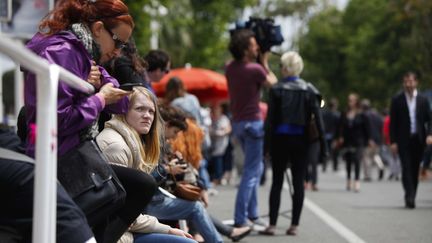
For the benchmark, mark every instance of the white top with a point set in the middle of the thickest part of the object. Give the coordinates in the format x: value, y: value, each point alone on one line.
x: 412, y: 104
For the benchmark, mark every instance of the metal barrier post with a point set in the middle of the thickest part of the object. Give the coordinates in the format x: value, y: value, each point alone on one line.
x: 45, y: 200
x: 45, y: 193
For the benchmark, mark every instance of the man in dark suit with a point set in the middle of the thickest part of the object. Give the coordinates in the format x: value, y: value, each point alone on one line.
x: 409, y: 133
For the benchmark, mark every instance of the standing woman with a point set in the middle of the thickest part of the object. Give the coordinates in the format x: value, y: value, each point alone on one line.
x: 292, y: 102
x: 177, y: 96
x: 79, y: 35
x: 354, y: 137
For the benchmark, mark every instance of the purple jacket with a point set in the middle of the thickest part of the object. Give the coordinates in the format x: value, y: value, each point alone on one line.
x: 75, y: 109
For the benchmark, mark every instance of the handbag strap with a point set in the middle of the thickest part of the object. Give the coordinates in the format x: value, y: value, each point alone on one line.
x: 12, y: 155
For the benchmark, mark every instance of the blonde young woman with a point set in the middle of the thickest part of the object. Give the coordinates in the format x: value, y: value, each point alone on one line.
x: 292, y: 103
x: 133, y: 140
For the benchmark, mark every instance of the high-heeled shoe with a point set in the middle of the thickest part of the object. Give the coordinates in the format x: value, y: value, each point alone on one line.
x: 356, y: 186
x: 270, y: 230
x: 292, y: 230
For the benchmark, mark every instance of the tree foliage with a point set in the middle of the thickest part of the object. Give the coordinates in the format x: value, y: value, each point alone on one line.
x: 367, y: 48
x: 322, y: 52
x: 193, y: 31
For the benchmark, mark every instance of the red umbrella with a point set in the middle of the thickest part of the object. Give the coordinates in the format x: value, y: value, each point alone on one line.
x: 206, y: 84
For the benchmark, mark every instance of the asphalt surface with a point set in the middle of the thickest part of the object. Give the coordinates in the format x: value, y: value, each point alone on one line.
x: 333, y: 214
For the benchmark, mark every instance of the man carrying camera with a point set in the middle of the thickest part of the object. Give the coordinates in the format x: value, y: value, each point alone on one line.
x: 245, y: 79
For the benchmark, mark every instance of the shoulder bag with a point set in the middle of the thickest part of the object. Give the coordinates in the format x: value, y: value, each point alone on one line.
x: 91, y: 182
x: 185, y: 189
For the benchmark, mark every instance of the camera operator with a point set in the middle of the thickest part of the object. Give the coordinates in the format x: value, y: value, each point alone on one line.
x: 245, y: 79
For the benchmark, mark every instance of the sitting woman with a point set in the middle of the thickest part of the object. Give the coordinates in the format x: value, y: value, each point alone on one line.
x: 179, y: 129
x: 122, y: 141
x: 133, y: 140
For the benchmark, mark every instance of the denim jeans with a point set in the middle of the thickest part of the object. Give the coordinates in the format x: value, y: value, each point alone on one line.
x: 175, y: 209
x: 160, y: 238
x: 217, y: 163
x: 203, y: 173
x: 250, y: 134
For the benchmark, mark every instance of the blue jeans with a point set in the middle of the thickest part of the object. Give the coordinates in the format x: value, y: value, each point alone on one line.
x: 175, y: 209
x: 203, y: 173
x: 251, y: 137
x: 160, y: 238
x: 217, y: 163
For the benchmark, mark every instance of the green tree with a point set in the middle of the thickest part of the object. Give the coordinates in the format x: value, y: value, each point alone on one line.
x: 273, y: 8
x: 193, y: 31
x: 366, y: 48
x: 322, y: 51
x: 416, y: 17
x: 142, y: 31
x: 373, y: 51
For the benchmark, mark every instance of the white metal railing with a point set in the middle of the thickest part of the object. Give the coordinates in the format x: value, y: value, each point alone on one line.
x: 47, y: 76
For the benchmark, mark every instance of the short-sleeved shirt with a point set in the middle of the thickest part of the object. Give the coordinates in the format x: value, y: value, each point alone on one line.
x: 244, y: 84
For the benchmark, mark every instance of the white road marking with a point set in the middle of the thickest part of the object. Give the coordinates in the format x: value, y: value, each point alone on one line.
x: 343, y: 231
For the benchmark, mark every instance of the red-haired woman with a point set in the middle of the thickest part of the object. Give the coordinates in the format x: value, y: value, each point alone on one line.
x: 79, y: 35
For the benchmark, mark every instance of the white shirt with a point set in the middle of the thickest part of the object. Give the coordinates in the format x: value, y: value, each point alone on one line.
x: 412, y: 104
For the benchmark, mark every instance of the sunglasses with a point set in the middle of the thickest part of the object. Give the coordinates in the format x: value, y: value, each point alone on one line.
x: 118, y: 44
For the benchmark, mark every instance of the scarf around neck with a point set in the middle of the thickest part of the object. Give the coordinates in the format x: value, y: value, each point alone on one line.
x: 132, y: 142
x: 84, y: 34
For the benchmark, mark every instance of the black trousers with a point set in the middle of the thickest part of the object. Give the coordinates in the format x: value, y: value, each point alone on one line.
x: 288, y: 150
x: 312, y: 162
x: 140, y: 188
x: 410, y: 157
x: 16, y: 210
x: 353, y: 157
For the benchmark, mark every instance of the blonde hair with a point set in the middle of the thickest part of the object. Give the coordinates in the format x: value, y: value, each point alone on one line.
x: 149, y: 144
x: 292, y: 63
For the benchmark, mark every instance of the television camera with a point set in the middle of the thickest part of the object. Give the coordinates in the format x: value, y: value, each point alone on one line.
x: 267, y: 34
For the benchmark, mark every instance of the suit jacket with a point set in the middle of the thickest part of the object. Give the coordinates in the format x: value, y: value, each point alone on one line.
x: 400, y: 120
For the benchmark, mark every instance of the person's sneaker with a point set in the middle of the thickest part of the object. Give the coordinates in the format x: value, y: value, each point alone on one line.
x: 258, y: 224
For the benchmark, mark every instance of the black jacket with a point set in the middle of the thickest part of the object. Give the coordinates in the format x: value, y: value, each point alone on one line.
x: 400, y: 120
x: 294, y: 103
x: 9, y: 140
x: 355, y: 132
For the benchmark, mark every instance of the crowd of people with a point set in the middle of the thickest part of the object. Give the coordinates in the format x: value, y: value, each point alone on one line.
x: 154, y: 144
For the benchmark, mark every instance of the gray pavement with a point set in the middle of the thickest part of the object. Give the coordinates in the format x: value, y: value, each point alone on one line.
x: 375, y: 214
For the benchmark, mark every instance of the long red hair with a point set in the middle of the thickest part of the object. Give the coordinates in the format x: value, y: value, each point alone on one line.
x: 189, y: 143
x: 68, y: 12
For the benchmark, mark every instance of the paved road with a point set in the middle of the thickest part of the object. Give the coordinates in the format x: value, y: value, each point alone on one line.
x: 375, y: 214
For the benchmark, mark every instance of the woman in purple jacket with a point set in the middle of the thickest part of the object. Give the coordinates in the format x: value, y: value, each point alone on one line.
x: 79, y: 35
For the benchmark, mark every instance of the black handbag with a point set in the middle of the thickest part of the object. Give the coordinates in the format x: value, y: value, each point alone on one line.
x: 91, y: 182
